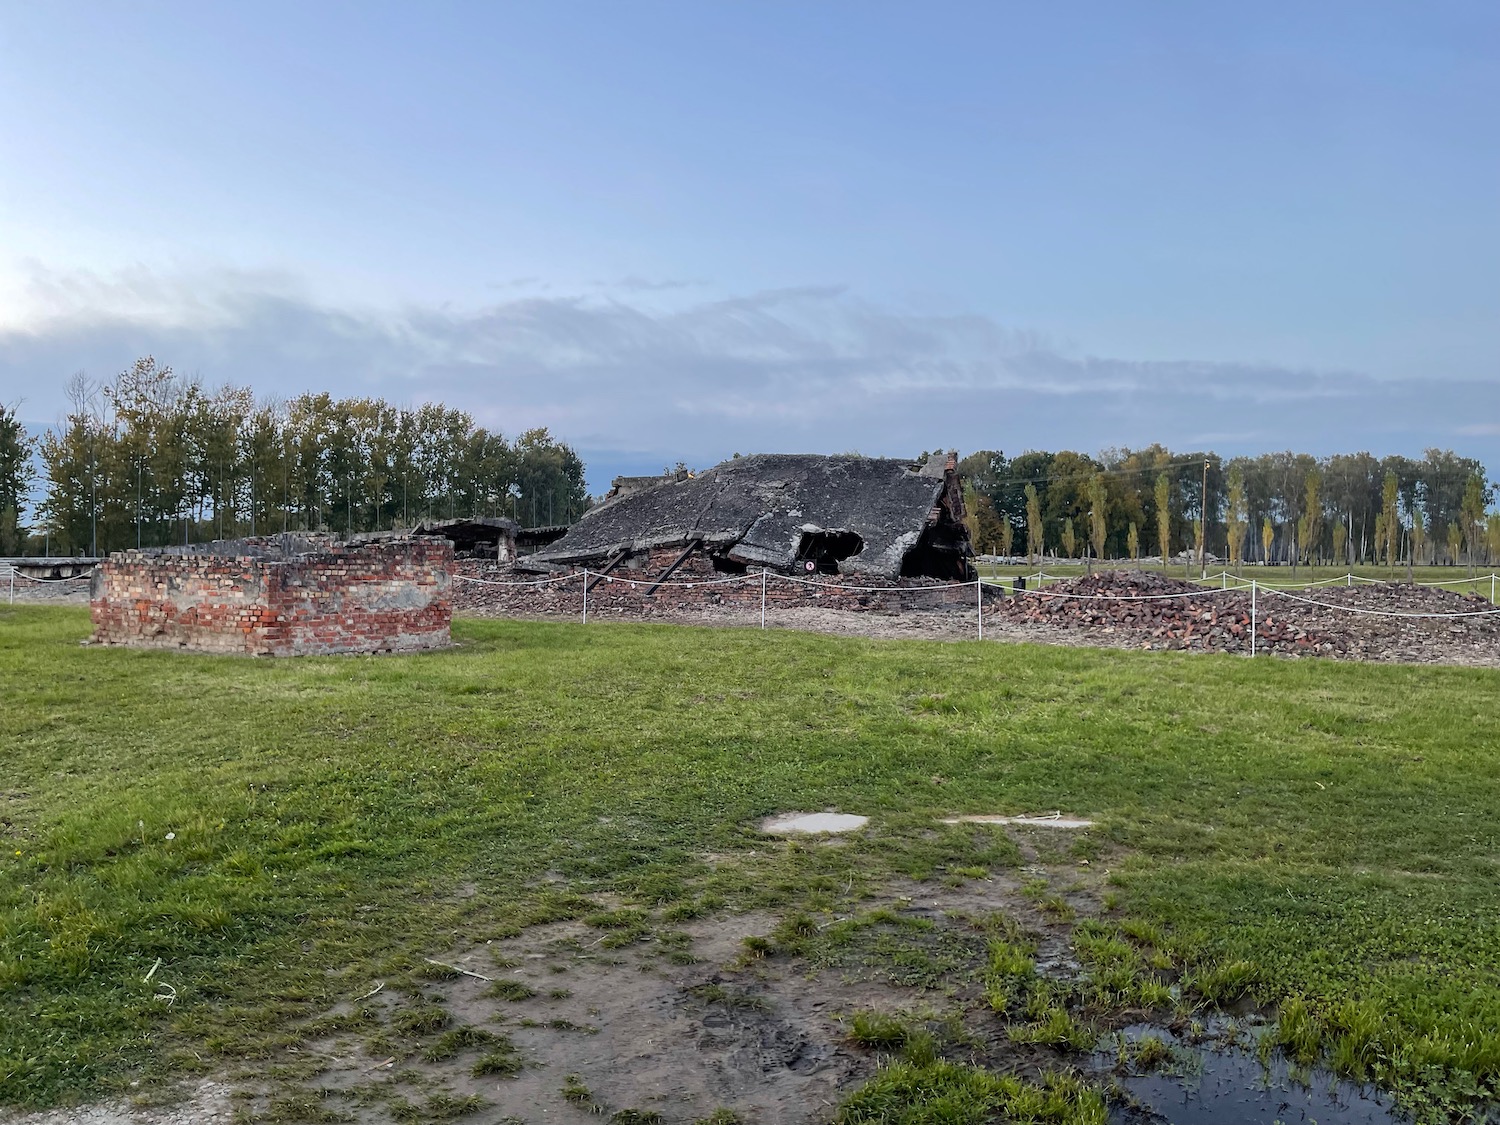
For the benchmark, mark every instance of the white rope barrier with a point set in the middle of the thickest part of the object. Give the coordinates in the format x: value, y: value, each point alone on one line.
x: 49, y: 581
x: 1206, y: 592
x: 535, y: 583
x: 1382, y: 612
x: 1255, y: 586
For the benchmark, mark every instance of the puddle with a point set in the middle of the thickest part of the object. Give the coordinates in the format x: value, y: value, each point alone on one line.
x: 1046, y: 820
x: 1209, y: 1085
x: 791, y: 824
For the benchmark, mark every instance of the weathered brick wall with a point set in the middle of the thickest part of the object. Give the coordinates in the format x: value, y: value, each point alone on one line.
x: 382, y: 596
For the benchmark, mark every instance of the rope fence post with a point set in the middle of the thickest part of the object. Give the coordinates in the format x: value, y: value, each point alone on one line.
x: 1349, y: 579
x: 979, y: 602
x: 1252, y: 617
x: 762, y: 597
x: 585, y: 595
x: 1492, y: 586
x: 12, y: 585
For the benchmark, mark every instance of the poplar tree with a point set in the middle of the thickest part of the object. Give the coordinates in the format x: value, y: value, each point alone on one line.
x: 1098, y: 514
x: 1471, y: 516
x: 1164, y: 515
x: 1236, y: 516
x: 1390, y: 526
x: 1133, y: 541
x: 1310, y: 526
x: 1069, y: 540
x: 1033, y: 523
x: 1267, y: 539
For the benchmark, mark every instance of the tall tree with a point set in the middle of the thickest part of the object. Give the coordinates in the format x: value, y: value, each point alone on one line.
x: 1310, y: 526
x: 16, y: 474
x: 1034, y: 540
x: 1390, y: 520
x: 1164, y: 516
x: 1235, y: 515
x: 151, y: 459
x: 1098, y: 514
x: 1471, y: 517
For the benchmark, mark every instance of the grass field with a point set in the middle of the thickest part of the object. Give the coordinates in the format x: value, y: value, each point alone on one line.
x: 1320, y: 835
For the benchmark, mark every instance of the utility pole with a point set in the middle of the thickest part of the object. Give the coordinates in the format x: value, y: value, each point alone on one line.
x: 1203, y: 515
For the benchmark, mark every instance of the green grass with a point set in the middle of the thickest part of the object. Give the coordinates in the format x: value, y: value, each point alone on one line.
x: 905, y: 1093
x: 1323, y: 831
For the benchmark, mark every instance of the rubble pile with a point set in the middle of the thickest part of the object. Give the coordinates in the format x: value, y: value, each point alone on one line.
x: 1158, y: 607
x: 490, y: 590
x: 1291, y: 623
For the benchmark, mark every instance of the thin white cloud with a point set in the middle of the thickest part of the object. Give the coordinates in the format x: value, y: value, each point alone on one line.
x: 811, y: 368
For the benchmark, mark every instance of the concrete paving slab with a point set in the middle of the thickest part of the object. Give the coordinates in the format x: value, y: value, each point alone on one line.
x: 810, y: 824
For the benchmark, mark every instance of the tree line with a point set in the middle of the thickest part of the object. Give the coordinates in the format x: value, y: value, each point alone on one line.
x: 151, y: 458
x: 1277, y: 508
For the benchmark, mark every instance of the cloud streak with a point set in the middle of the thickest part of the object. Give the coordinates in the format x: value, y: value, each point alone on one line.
x: 635, y: 386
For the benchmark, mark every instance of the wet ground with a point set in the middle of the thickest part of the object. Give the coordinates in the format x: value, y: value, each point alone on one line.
x: 635, y: 1016
x: 1211, y: 1083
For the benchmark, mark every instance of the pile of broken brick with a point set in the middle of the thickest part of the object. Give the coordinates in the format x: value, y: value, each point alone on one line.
x: 1364, y: 621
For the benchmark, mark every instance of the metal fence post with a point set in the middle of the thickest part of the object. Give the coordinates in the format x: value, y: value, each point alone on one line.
x: 762, y: 597
x: 979, y: 603
x: 585, y: 595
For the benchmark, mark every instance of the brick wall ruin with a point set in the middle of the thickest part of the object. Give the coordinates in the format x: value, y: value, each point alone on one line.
x: 285, y: 595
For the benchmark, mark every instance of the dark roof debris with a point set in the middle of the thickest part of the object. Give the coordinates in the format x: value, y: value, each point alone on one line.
x: 854, y: 515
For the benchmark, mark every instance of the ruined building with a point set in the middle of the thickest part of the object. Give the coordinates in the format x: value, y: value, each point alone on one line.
x: 280, y: 595
x: 881, y: 518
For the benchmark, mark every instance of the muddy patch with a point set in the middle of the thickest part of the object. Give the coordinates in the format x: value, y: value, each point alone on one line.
x: 1224, y: 1078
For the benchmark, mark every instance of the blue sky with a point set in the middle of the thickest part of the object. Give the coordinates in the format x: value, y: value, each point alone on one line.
x: 676, y: 231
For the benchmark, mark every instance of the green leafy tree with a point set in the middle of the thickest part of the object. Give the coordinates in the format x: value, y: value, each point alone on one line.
x: 1133, y: 542
x: 1267, y: 539
x: 16, y: 474
x: 1034, y: 540
x: 1471, y: 518
x: 1235, y: 516
x: 1098, y: 514
x: 1310, y: 526
x: 1390, y: 523
x: 986, y: 529
x: 1340, y: 543
x: 1069, y: 539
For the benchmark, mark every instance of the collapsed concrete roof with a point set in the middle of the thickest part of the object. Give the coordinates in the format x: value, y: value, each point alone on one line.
x: 849, y: 514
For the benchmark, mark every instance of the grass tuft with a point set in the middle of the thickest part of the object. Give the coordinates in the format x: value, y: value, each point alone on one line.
x: 878, y: 1031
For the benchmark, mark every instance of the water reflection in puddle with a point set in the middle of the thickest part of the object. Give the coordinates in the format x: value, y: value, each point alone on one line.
x: 1211, y: 1085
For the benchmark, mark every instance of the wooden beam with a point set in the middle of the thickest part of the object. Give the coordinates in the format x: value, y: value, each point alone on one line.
x: 615, y: 560
x: 671, y: 570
